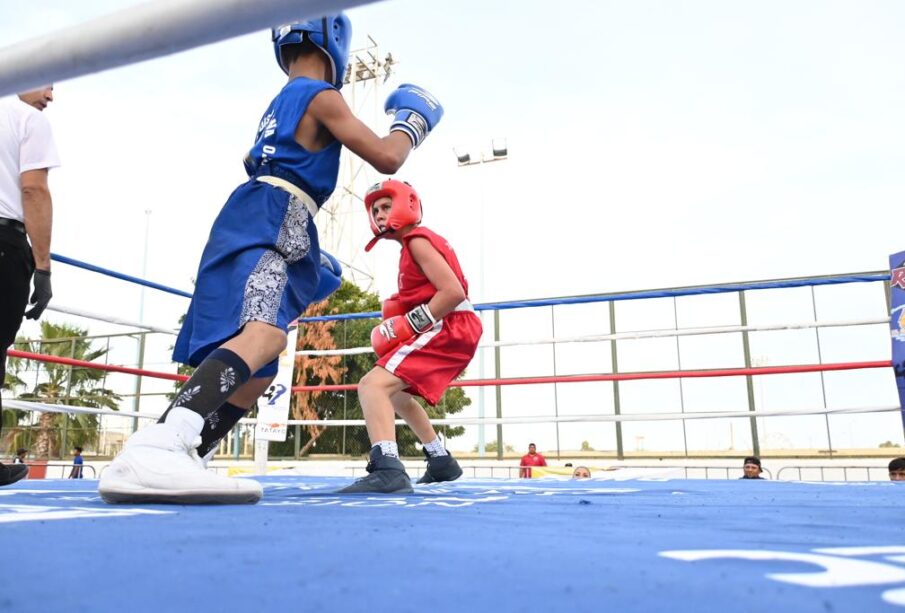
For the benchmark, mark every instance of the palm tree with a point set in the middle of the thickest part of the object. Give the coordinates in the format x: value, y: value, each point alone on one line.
x: 62, y: 384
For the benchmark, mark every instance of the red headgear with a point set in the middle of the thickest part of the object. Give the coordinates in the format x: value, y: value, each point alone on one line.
x: 404, y: 211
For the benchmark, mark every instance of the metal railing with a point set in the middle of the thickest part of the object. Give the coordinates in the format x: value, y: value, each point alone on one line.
x: 786, y: 473
x: 511, y: 472
x: 65, y: 468
x: 849, y: 473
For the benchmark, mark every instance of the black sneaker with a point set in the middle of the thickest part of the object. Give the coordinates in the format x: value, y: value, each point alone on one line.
x: 12, y: 473
x: 440, y: 468
x: 386, y: 475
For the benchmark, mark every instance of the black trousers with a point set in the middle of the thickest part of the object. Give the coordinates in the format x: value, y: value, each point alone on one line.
x: 17, y: 265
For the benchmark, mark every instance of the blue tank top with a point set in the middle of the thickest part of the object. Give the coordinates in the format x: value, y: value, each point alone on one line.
x: 277, y: 153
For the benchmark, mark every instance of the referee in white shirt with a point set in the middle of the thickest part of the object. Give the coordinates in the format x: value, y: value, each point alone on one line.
x: 27, y: 153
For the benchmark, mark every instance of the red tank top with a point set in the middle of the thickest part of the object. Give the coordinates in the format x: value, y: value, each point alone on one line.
x: 414, y: 287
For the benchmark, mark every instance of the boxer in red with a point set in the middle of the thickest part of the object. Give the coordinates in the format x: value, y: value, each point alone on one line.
x: 428, y: 336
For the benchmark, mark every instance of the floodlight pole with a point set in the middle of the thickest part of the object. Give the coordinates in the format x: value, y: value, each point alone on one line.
x: 499, y: 152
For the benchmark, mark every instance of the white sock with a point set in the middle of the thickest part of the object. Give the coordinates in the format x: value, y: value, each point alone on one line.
x: 187, y: 422
x: 435, y: 448
x: 388, y: 448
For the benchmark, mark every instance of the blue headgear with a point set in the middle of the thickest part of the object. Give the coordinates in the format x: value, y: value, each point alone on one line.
x: 332, y: 34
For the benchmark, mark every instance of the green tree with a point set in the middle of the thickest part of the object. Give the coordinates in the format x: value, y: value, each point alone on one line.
x: 321, y: 370
x: 491, y: 447
x: 60, y: 384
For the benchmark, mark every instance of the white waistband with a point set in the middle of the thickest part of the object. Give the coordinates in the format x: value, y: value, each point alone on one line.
x: 286, y: 186
x: 465, y: 305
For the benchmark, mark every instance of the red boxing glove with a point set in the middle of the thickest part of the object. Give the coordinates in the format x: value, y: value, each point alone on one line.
x: 390, y: 333
x: 392, y: 307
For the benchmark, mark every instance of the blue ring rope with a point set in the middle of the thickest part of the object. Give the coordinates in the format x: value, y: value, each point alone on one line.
x: 518, y: 304
x: 645, y: 294
x: 118, y: 275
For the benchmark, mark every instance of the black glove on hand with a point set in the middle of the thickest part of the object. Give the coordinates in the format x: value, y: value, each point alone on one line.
x: 41, y: 296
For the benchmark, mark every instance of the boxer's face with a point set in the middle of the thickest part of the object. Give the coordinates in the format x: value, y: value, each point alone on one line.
x: 380, y: 211
x: 897, y: 475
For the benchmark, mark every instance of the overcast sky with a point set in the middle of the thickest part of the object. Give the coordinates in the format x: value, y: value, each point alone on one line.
x: 652, y: 144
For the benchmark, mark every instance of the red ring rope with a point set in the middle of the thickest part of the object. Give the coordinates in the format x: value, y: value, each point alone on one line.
x: 53, y: 359
x: 634, y: 376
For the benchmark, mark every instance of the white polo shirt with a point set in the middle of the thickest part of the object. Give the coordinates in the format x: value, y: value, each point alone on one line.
x: 26, y: 143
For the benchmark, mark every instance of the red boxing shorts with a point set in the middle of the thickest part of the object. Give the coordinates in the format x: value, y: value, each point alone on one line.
x: 429, y: 362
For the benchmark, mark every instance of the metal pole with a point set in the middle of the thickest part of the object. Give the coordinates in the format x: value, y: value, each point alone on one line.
x: 829, y: 438
x: 499, y: 389
x: 555, y: 387
x: 483, y: 390
x: 481, y: 180
x: 345, y: 393
x: 743, y: 312
x: 104, y: 385
x: 139, y: 378
x: 617, y: 409
x: 141, y: 319
x: 675, y: 313
x: 64, y: 442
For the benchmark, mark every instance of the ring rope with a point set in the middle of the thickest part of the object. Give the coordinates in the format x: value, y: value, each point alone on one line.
x: 638, y: 376
x: 110, y: 320
x: 669, y: 332
x: 117, y: 275
x: 164, y: 27
x: 609, y: 417
x: 54, y: 359
x: 696, y: 290
x: 629, y: 376
x: 23, y: 405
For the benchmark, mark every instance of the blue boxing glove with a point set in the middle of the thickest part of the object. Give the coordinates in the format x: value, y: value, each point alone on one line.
x: 330, y: 278
x: 415, y: 111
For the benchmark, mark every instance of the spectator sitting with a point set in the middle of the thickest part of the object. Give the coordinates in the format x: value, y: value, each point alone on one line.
x: 21, y: 452
x: 581, y: 472
x: 897, y: 469
x: 752, y: 468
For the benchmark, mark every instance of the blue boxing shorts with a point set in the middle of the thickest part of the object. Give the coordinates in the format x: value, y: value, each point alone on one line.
x: 261, y: 263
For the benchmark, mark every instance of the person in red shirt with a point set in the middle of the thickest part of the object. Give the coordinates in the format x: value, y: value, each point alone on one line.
x: 429, y: 335
x: 532, y: 458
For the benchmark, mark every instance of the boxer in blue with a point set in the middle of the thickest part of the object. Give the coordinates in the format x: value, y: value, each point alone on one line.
x: 262, y: 264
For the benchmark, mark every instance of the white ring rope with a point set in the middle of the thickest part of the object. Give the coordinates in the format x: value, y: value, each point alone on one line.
x: 43, y: 407
x: 607, y: 417
x: 149, y: 30
x: 23, y: 405
x: 543, y: 341
x: 110, y: 319
x: 619, y: 336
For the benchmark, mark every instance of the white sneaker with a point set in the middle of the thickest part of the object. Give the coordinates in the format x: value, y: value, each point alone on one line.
x: 158, y: 465
x: 207, y: 459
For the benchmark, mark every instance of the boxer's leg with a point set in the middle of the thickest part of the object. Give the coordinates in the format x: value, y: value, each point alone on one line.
x: 386, y: 474
x: 160, y: 463
x: 441, y: 465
